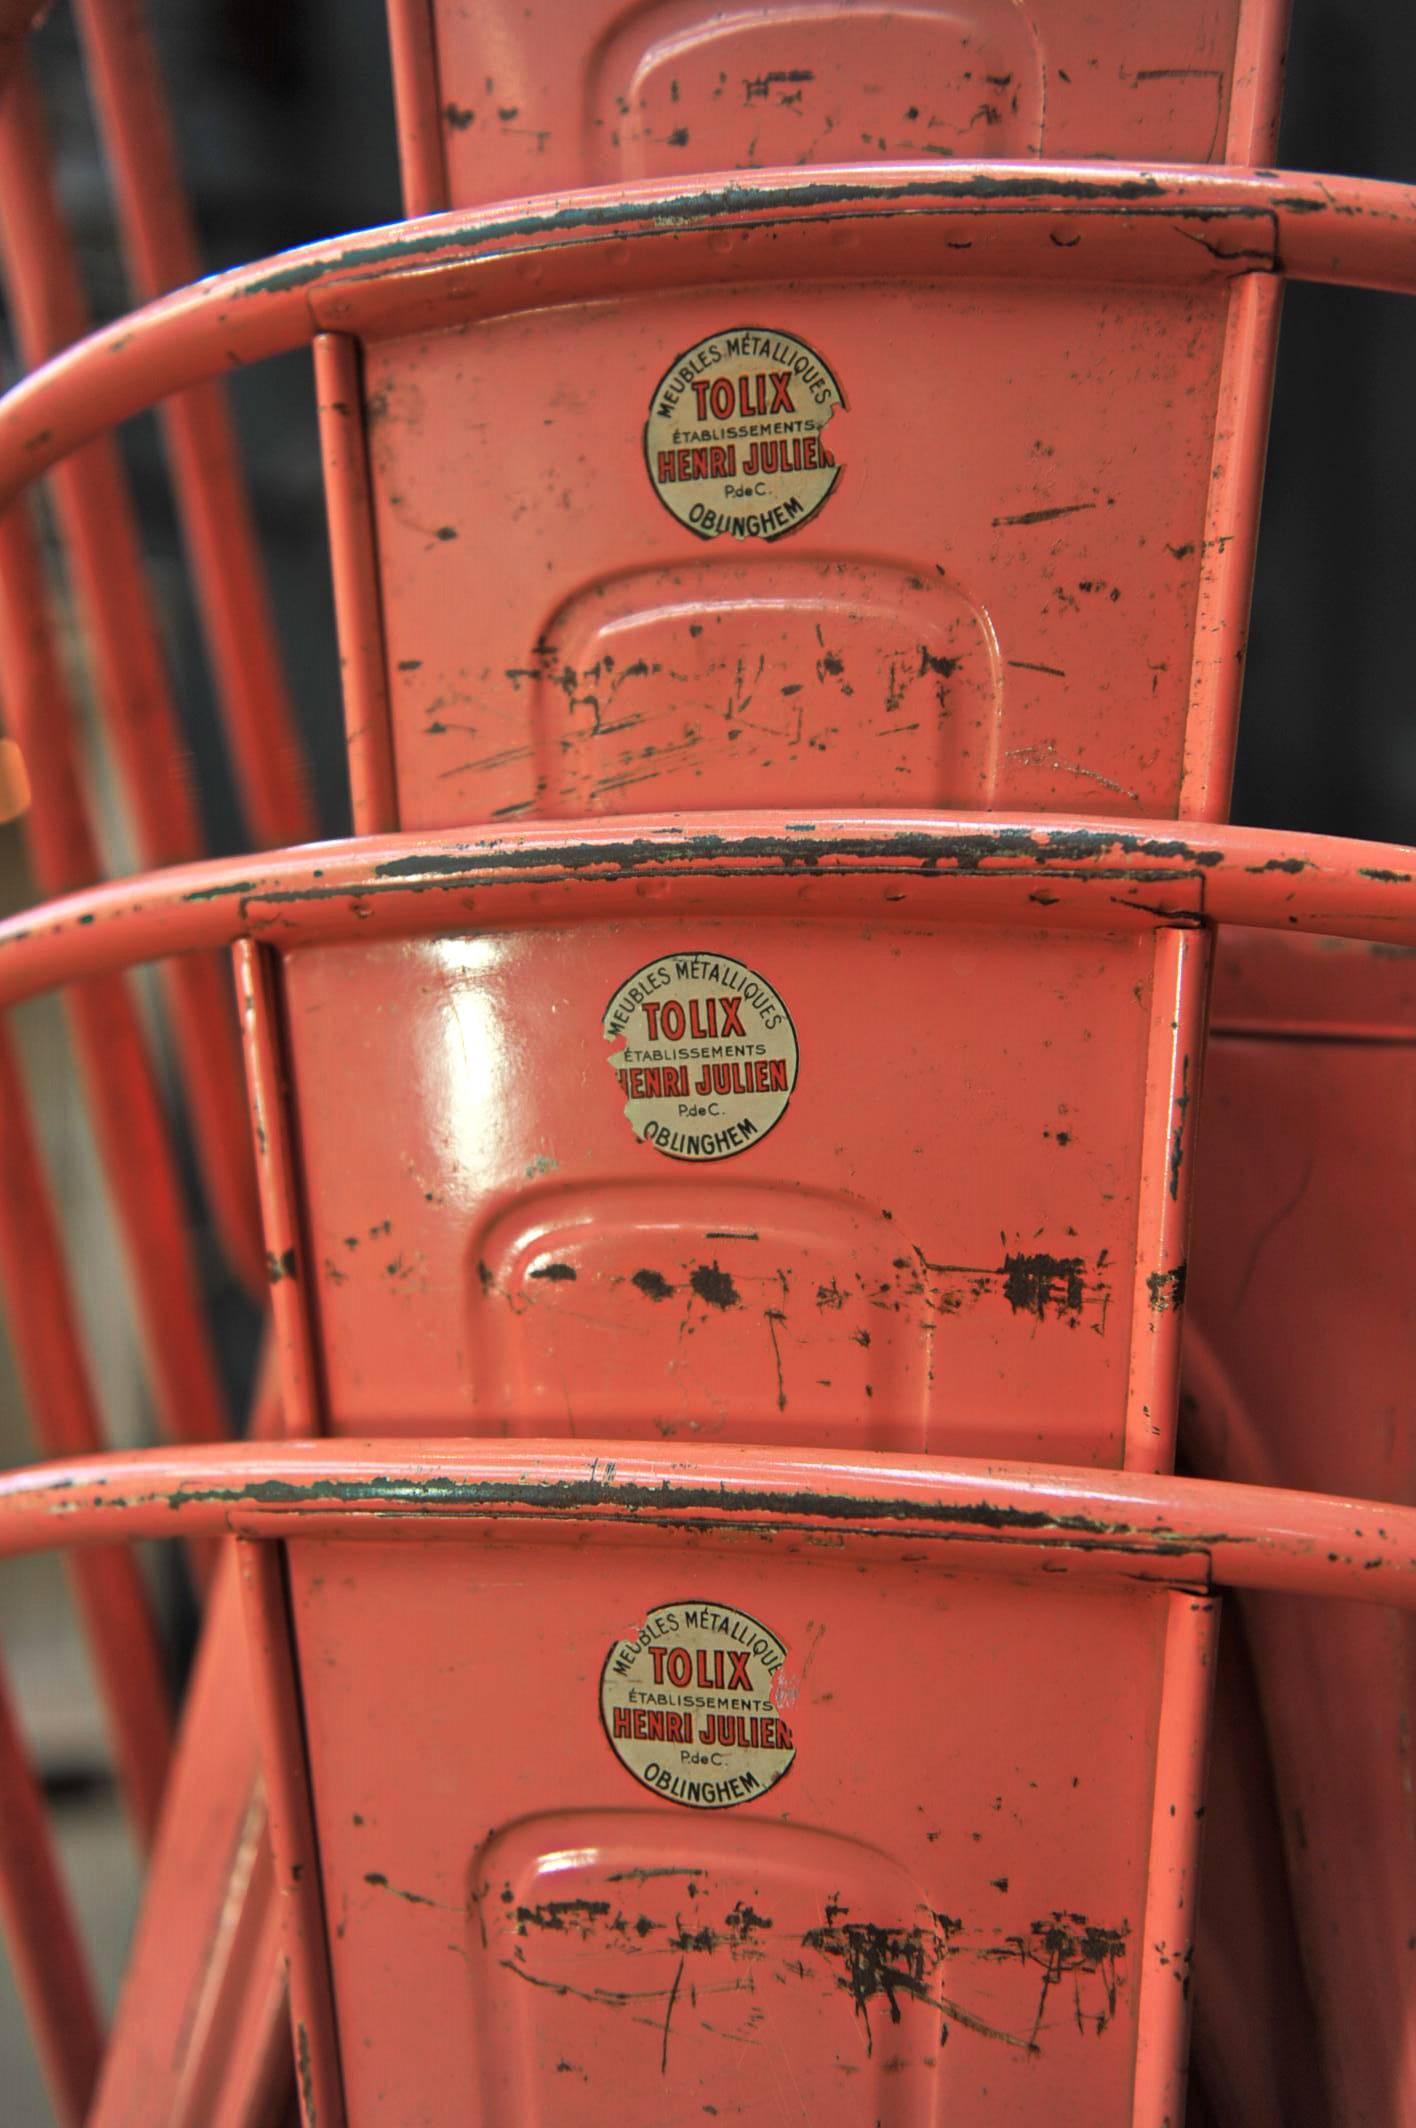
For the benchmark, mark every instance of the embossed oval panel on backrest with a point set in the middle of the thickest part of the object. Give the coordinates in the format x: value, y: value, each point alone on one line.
x: 730, y: 673
x: 557, y: 93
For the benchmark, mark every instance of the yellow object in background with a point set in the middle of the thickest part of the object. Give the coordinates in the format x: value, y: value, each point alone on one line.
x: 14, y: 782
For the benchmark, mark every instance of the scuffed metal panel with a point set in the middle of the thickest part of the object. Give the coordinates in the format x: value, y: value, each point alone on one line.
x: 995, y: 605
x: 561, y: 93
x: 934, y: 1247
x: 943, y: 1904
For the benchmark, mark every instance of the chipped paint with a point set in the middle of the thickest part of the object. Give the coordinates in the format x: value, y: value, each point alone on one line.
x: 431, y: 1494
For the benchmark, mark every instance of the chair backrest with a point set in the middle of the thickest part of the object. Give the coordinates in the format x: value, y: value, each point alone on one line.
x: 501, y: 104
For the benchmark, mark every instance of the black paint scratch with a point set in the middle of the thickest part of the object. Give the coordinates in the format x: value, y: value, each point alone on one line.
x: 1042, y: 517
x: 668, y: 2013
x: 1177, y: 1138
x: 1033, y: 1284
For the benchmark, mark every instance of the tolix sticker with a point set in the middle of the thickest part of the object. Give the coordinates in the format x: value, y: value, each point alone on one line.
x: 708, y: 1058
x: 734, y: 436
x: 688, y: 1705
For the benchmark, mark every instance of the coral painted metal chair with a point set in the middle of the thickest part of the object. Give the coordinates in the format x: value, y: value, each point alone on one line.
x: 724, y: 1126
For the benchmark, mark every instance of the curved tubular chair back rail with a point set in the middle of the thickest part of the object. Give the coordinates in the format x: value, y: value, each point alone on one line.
x: 1015, y: 1516
x: 1095, y: 873
x: 1348, y: 230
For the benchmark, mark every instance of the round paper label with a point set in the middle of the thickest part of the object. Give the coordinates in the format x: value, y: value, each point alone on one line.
x: 687, y: 1706
x: 709, y: 1055
x: 734, y: 436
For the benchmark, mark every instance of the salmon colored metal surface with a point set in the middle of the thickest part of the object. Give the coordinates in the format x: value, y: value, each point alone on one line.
x: 1302, y: 1280
x: 44, y: 1331
x: 1278, y: 989
x: 201, y: 2035
x: 161, y: 250
x: 931, y: 1202
x: 1090, y: 874
x: 844, y: 1947
x: 295, y: 1862
x: 120, y: 1078
x: 1255, y: 2044
x: 1029, y: 1281
x: 174, y: 1969
x: 937, y: 1534
x: 562, y: 93
x: 293, y: 1349
x: 413, y: 52
x: 1331, y: 229
x: 934, y: 1248
x: 121, y: 637
x: 995, y: 613
x: 950, y: 1533
x: 355, y: 569
x: 991, y: 1519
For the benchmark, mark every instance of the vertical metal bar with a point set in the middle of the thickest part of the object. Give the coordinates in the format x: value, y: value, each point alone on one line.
x: 1231, y: 539
x: 107, y: 1585
x: 1259, y: 51
x: 294, y: 1845
x: 236, y: 2067
x: 1167, y: 1932
x: 96, y: 517
x: 287, y: 1255
x: 42, y: 1934
x: 358, y: 602
x: 125, y: 1102
x: 1179, y: 995
x: 247, y: 2081
x: 160, y: 246
x: 418, y: 103
x: 195, y: 2015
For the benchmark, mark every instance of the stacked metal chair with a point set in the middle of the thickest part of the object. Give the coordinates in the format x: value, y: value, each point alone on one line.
x: 724, y: 1634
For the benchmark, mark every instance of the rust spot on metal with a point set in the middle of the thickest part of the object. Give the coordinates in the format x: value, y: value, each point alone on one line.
x: 578, y: 1916
x: 1033, y: 1284
x: 714, y: 1286
x: 778, y: 77
x: 1166, y: 1289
